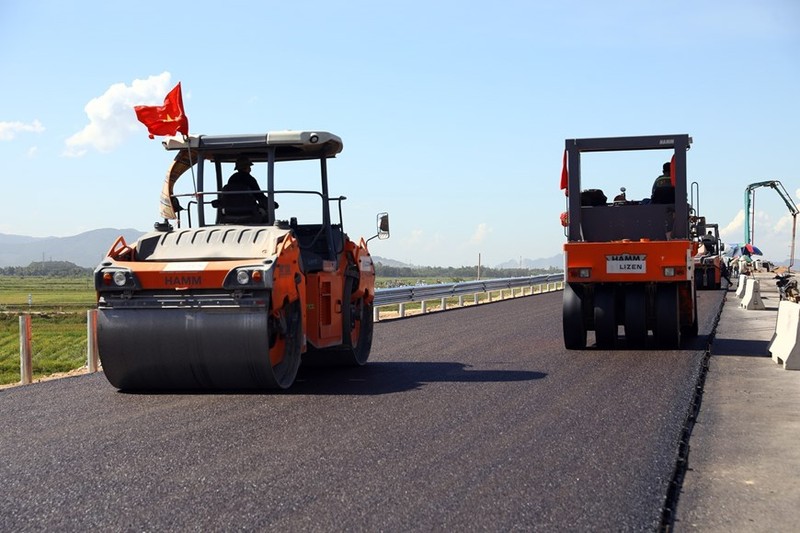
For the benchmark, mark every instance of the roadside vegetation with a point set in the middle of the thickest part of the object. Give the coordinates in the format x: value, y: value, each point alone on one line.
x: 57, y: 295
x: 392, y: 276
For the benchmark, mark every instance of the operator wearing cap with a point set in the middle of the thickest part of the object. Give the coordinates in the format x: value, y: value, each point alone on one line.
x: 242, y: 180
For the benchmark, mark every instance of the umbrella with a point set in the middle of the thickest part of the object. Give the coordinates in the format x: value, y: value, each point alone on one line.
x: 752, y: 250
x: 733, y: 251
x: 738, y: 250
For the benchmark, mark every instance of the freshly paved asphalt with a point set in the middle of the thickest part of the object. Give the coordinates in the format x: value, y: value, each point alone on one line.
x: 473, y: 419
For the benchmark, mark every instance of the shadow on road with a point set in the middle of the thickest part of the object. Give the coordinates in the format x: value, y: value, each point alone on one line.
x: 740, y: 347
x: 384, y: 378
x: 371, y: 379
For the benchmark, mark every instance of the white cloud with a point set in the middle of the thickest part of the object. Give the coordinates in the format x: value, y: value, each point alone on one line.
x: 772, y: 236
x: 733, y: 231
x: 111, y: 115
x: 424, y: 247
x: 9, y: 130
x: 416, y: 236
x: 783, y: 224
x: 481, y: 232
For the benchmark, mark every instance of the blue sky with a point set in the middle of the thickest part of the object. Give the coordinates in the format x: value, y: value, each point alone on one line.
x: 453, y: 114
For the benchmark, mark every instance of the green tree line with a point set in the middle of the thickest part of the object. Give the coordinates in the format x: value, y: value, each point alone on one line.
x: 47, y: 269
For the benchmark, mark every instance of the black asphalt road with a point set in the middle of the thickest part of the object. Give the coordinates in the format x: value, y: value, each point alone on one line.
x: 472, y: 419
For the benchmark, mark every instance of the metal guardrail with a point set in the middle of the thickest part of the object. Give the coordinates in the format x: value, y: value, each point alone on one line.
x: 422, y: 293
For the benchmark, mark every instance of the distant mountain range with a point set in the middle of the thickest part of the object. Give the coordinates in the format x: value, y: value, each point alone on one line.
x: 85, y: 249
x: 556, y: 261
x: 389, y: 262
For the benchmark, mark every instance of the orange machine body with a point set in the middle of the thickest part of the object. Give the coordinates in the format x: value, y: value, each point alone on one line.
x: 628, y: 261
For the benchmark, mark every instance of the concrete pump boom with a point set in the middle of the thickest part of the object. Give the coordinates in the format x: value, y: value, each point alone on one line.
x: 749, y: 210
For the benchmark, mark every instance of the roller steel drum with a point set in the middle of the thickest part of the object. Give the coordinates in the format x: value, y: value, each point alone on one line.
x: 164, y: 349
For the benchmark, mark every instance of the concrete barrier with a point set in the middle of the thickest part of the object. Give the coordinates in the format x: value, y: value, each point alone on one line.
x: 740, y: 287
x: 752, y: 296
x: 784, y: 348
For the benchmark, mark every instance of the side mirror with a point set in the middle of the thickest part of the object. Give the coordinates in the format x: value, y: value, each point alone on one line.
x: 383, y: 227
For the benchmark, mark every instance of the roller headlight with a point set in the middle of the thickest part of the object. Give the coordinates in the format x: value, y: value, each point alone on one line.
x: 248, y: 277
x: 115, y: 279
x: 583, y: 273
x: 120, y: 278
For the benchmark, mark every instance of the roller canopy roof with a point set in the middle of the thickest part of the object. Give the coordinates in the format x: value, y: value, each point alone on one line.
x: 646, y: 142
x: 289, y: 145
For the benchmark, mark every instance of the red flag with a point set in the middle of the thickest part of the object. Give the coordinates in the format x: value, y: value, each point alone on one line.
x: 564, y: 172
x: 167, y: 119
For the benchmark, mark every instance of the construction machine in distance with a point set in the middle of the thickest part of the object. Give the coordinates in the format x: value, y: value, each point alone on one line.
x: 708, y: 264
x: 750, y: 211
x: 627, y: 262
x: 240, y: 298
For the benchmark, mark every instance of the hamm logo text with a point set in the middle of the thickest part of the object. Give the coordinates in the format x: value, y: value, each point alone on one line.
x: 183, y: 280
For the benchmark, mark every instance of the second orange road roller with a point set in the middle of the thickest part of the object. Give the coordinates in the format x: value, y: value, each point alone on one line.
x: 629, y: 263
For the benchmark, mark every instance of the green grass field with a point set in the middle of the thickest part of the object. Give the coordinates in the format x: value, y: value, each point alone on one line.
x: 386, y: 283
x: 37, y: 293
x: 58, y: 344
x: 58, y: 308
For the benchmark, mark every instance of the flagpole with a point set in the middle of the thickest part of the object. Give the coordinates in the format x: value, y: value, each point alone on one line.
x: 191, y: 165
